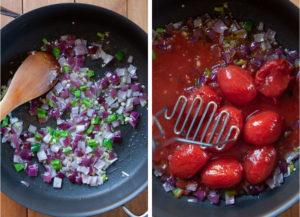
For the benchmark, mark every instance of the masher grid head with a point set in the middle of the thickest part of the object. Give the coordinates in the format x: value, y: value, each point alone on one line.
x: 208, y: 113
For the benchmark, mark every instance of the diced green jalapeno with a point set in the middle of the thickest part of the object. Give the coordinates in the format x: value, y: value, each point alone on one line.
x: 56, y: 164
x: 111, y: 118
x: 35, y: 147
x: 19, y: 167
x: 107, y: 143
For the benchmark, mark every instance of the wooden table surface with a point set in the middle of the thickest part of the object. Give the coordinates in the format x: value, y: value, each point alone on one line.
x: 136, y: 10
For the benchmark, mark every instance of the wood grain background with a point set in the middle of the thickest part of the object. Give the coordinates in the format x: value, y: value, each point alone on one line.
x: 136, y: 10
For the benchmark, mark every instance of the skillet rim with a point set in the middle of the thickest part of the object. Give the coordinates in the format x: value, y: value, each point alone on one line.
x: 144, y: 37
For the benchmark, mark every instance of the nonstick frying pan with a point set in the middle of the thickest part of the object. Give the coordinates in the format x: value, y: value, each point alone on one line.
x: 281, y: 16
x: 25, y: 33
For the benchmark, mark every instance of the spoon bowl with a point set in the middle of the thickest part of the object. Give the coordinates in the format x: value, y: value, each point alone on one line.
x: 36, y: 75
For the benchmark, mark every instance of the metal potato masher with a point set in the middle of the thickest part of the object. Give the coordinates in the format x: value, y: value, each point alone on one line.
x: 188, y: 125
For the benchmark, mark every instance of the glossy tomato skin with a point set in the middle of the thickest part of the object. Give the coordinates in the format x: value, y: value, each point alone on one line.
x: 273, y: 78
x: 235, y: 119
x: 259, y: 163
x: 263, y: 128
x: 207, y: 94
x: 222, y: 173
x: 187, y: 160
x: 237, y: 85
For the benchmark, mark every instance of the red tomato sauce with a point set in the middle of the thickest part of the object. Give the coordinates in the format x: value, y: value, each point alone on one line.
x: 174, y: 73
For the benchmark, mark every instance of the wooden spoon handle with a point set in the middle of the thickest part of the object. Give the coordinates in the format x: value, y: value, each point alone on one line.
x: 5, y: 107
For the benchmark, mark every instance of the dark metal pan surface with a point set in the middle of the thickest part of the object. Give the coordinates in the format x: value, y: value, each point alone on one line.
x: 281, y: 16
x: 25, y: 33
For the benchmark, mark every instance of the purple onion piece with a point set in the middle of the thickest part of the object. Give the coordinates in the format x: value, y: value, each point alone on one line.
x: 213, y: 197
x: 282, y: 166
x: 210, y: 34
x: 200, y: 194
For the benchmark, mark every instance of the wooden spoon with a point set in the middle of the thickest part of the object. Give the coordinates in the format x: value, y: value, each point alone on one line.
x: 37, y: 74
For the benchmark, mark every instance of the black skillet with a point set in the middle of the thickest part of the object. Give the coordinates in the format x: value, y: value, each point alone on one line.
x: 281, y: 16
x: 25, y: 33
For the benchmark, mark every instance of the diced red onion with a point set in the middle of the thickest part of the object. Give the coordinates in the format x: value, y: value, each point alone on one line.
x: 259, y: 37
x: 32, y: 170
x: 213, y: 197
x: 290, y: 156
x: 25, y: 183
x: 200, y: 194
x: 46, y: 176
x: 167, y: 187
x: 191, y: 187
x: 32, y: 129
x: 57, y: 182
x: 192, y: 200
x: 134, y: 118
x: 80, y: 50
x: 229, y: 199
x: 220, y: 27
x: 25, y: 154
x: 41, y: 155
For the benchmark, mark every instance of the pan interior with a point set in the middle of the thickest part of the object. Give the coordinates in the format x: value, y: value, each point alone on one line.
x: 281, y: 16
x: 25, y: 33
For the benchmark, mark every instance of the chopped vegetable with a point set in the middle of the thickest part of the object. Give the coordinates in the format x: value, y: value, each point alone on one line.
x: 207, y: 72
x: 121, y: 118
x: 177, y: 192
x: 67, y: 69
x: 101, y: 35
x: 45, y: 41
x: 55, y: 52
x: 56, y: 164
x: 38, y: 136
x: 19, y: 167
x: 120, y: 55
x: 67, y: 149
x: 159, y: 30
x: 104, y: 177
x: 77, y: 93
x: 292, y: 167
x: 95, y: 120
x: 90, y: 73
x: 25, y: 183
x: 86, y: 102
x: 35, y: 147
x: 153, y: 54
x: 248, y: 25
x: 219, y: 9
x: 51, y: 103
x: 107, y: 143
x: 83, y: 88
x: 90, y: 129
x: 112, y: 118
x: 240, y: 62
x: 92, y: 143
x: 73, y: 103
x: 73, y: 89
x: 4, y: 122
x: 41, y: 113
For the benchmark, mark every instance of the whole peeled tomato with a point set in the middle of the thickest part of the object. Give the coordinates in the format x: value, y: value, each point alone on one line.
x: 273, y: 78
x: 263, y: 128
x: 222, y: 173
x: 259, y: 163
x: 207, y: 94
x: 235, y: 119
x: 237, y: 85
x: 187, y: 160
